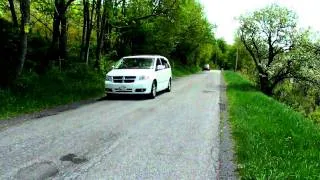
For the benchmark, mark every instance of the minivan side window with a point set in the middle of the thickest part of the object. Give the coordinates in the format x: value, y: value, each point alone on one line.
x: 158, y: 62
x: 165, y: 63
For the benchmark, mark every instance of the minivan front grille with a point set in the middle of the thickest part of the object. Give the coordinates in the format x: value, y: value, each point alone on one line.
x: 124, y: 79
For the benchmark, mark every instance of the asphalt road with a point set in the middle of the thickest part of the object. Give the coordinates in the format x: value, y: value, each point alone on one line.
x: 175, y: 136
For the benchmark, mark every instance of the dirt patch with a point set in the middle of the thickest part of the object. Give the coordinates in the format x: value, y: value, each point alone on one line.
x: 227, y: 164
x: 39, y: 170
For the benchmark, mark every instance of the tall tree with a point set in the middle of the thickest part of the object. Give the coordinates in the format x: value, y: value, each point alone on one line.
x: 269, y: 35
x: 58, y: 47
x: 24, y: 29
x: 87, y: 29
x: 13, y: 13
x: 103, y: 27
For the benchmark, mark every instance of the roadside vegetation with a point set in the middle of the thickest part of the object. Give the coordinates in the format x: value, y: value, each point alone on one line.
x: 279, y: 57
x: 57, y: 52
x: 272, y: 140
x: 33, y: 93
x: 274, y: 105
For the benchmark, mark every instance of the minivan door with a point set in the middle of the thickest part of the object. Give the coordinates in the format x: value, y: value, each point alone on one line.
x: 167, y: 71
x: 160, y: 75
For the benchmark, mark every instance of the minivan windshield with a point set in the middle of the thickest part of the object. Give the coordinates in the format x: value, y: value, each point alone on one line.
x: 135, y: 63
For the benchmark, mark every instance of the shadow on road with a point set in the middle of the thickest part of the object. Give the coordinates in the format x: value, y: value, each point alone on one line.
x: 128, y: 97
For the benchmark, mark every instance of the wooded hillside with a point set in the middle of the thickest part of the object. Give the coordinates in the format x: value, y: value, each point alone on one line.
x: 42, y: 34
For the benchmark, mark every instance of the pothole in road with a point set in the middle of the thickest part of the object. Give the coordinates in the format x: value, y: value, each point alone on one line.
x: 38, y: 170
x: 73, y: 158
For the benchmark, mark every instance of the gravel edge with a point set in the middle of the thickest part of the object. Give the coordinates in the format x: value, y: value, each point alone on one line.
x: 227, y: 161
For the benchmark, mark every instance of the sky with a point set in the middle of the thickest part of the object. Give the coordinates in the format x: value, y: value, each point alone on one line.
x: 223, y: 13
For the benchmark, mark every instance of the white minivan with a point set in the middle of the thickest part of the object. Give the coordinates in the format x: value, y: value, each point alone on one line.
x: 142, y: 74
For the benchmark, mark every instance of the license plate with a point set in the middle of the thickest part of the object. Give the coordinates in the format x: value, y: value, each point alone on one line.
x: 122, y: 88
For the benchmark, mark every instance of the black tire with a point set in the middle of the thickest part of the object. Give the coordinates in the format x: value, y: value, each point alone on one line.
x: 169, y: 86
x: 153, y: 92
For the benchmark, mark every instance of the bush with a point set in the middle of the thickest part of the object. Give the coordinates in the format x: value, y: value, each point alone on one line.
x: 33, y: 92
x: 315, y: 115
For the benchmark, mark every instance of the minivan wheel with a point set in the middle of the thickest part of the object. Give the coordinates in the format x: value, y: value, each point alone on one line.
x: 110, y: 96
x: 169, y: 86
x: 153, y: 92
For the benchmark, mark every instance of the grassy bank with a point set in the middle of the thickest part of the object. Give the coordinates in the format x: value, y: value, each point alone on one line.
x: 34, y: 93
x: 272, y: 140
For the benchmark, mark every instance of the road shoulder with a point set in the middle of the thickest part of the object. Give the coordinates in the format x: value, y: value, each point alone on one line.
x: 227, y: 161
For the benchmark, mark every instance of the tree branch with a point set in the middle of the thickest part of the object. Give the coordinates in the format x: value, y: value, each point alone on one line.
x: 45, y: 25
x: 68, y: 4
x: 155, y: 12
x: 256, y: 48
x: 250, y: 51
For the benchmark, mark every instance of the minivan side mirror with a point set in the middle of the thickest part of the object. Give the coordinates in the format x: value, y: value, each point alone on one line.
x: 160, y: 67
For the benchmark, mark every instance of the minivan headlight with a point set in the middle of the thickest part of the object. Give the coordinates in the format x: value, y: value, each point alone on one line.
x: 109, y: 78
x: 143, y: 77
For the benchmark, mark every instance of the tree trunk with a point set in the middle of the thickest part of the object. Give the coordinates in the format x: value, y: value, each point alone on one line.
x: 124, y: 8
x: 13, y: 13
x: 53, y: 53
x: 56, y: 27
x: 317, y: 99
x: 89, y: 30
x: 63, y: 36
x: 98, y: 17
x: 265, y: 85
x: 103, y: 20
x: 84, y: 31
x: 58, y: 48
x: 24, y: 29
x: 99, y: 32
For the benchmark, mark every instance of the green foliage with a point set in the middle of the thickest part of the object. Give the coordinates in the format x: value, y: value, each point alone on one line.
x: 176, y: 29
x: 272, y: 141
x: 315, y: 116
x: 220, y: 54
x: 275, y: 44
x: 3, y: 7
x: 188, y: 35
x: 183, y: 70
x: 107, y: 62
x: 279, y: 57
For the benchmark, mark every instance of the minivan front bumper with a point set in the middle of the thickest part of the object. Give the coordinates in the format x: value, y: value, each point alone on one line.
x: 138, y: 87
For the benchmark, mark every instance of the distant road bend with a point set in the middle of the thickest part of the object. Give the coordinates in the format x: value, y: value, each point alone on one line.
x: 175, y: 136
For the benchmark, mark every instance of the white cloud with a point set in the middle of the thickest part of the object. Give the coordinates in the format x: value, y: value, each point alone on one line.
x: 223, y: 13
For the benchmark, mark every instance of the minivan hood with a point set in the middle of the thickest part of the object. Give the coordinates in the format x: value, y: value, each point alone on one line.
x: 129, y: 72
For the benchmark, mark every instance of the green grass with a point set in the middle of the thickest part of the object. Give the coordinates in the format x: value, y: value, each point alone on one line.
x: 34, y: 93
x: 272, y: 140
